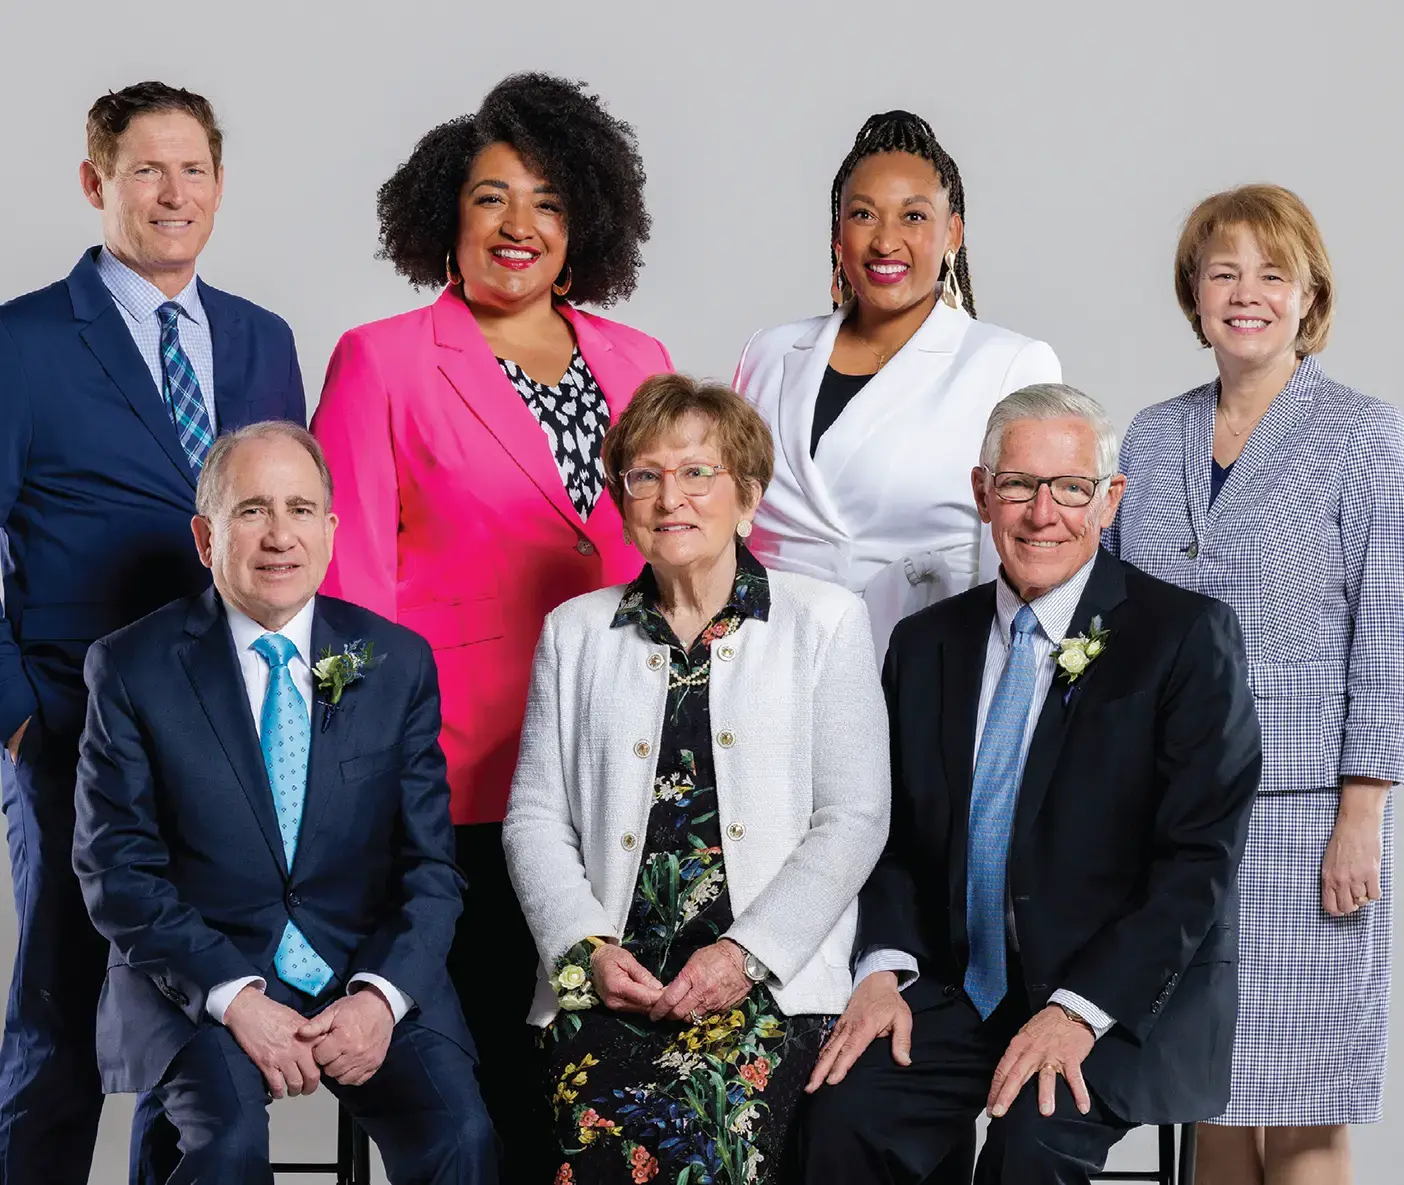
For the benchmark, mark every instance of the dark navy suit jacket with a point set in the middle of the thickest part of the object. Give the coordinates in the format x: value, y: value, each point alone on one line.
x: 177, y: 844
x: 96, y: 494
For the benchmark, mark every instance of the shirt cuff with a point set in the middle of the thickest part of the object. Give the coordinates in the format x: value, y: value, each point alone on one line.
x: 400, y: 1004
x: 219, y: 997
x: 881, y: 959
x: 1101, y: 1023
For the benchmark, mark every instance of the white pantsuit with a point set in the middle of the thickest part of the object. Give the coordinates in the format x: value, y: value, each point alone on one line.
x: 884, y: 507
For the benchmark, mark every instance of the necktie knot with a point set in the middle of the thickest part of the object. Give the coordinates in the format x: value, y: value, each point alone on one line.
x: 276, y: 649
x: 1025, y: 622
x: 169, y: 313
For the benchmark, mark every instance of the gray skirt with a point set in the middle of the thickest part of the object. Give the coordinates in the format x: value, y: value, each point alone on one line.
x: 1313, y: 1012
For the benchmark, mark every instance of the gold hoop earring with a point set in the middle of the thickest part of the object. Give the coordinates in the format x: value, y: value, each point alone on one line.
x: 743, y: 528
x: 453, y: 281
x: 950, y: 289
x: 561, y: 289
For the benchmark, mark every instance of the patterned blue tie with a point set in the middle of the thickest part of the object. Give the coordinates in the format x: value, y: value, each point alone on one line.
x: 993, y: 793
x: 287, y: 736
x: 182, y: 391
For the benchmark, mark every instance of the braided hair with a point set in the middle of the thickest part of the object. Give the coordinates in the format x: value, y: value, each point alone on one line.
x: 901, y: 131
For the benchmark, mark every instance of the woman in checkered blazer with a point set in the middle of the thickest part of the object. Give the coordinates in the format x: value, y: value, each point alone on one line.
x: 1278, y: 490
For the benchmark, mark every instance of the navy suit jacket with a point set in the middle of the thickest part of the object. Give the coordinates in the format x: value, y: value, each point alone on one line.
x: 96, y: 493
x: 177, y: 845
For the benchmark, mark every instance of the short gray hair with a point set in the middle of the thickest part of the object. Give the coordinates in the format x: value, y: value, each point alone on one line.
x: 209, y: 491
x: 1051, y: 401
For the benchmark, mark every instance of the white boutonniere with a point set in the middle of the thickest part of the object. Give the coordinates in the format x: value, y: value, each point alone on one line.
x: 571, y: 983
x: 336, y: 672
x: 1074, y: 655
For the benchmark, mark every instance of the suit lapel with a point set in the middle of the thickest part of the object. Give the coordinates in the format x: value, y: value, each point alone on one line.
x: 231, y: 378
x: 804, y: 367
x: 331, y: 726
x: 1199, y: 454
x: 470, y: 366
x: 107, y: 336
x: 962, y: 673
x: 1106, y: 589
x: 213, y: 669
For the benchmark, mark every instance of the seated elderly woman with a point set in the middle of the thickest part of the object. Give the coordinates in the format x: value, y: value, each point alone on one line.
x: 702, y: 790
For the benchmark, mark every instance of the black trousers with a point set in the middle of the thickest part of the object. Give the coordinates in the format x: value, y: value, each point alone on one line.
x: 493, y: 966
x: 886, y: 1124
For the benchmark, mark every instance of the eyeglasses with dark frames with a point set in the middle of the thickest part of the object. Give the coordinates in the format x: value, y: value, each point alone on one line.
x: 694, y: 479
x: 1067, y: 490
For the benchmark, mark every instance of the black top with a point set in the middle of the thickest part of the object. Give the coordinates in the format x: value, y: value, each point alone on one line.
x: 835, y: 393
x: 1218, y: 474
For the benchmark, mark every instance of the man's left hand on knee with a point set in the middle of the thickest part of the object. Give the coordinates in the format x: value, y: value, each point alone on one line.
x: 1052, y: 1043
x: 351, y: 1036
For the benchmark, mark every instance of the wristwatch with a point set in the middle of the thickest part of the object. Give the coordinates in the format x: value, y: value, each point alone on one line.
x: 756, y: 971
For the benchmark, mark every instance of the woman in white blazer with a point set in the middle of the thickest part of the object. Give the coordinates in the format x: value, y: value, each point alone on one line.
x: 879, y: 408
x: 702, y: 790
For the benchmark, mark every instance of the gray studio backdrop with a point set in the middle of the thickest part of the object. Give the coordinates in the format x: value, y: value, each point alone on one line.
x: 1084, y: 131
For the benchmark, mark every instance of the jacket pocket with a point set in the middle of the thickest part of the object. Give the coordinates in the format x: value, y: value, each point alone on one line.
x: 446, y: 624
x: 355, y: 768
x: 1220, y: 945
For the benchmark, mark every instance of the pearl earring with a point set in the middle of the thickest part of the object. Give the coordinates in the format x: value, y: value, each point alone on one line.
x: 743, y: 528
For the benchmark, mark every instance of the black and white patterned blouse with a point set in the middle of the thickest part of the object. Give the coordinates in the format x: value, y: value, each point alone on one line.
x: 575, y: 417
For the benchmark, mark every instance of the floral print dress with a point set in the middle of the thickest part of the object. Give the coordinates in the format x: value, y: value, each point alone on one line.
x: 707, y: 1104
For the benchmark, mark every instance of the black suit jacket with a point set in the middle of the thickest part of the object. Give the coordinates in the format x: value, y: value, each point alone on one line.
x: 1129, y: 828
x: 177, y: 844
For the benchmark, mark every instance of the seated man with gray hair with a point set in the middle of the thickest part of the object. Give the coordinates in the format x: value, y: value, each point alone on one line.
x: 263, y: 837
x: 1050, y: 934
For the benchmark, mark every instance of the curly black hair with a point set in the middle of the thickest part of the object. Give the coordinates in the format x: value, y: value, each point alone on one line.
x: 565, y: 133
x: 901, y: 131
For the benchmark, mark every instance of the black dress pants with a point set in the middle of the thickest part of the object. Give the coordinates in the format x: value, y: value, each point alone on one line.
x: 493, y: 967
x: 886, y: 1124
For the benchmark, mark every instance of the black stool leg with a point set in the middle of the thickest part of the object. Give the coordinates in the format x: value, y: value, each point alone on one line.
x: 360, y: 1155
x: 345, y: 1143
x: 1189, y: 1141
x: 1166, y: 1132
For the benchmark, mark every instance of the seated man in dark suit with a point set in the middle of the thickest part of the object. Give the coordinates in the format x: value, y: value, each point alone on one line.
x: 1051, y: 932
x: 263, y: 837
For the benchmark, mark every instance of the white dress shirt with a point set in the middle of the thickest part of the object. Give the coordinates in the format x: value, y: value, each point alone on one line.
x: 137, y: 299
x: 254, y: 669
x: 1054, y: 611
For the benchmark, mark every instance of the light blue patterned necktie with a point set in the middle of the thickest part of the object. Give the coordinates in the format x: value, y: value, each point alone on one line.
x: 286, y: 740
x: 993, y: 794
x: 182, y: 391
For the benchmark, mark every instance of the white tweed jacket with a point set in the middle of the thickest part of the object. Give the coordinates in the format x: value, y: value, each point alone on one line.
x: 803, y: 781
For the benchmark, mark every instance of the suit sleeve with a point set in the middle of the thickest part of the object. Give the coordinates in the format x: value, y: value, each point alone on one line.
x: 1209, y: 756
x: 889, y: 908
x: 352, y: 424
x: 17, y: 702
x: 1111, y: 537
x: 411, y: 945
x: 121, y: 858
x: 294, y: 397
x: 1372, y: 545
x: 539, y: 833
x: 851, y: 792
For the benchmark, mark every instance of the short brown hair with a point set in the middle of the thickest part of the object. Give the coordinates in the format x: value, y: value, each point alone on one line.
x: 209, y: 490
x: 1285, y: 231
x: 659, y: 405
x: 112, y: 114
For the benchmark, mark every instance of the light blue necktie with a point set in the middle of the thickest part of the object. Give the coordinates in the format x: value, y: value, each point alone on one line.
x: 993, y: 794
x: 287, y: 737
x: 182, y: 391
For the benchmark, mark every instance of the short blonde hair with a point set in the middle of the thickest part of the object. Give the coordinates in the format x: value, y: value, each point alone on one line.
x: 661, y: 403
x: 1286, y: 232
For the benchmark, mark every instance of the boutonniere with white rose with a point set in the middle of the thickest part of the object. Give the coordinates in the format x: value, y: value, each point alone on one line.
x: 1074, y: 655
x: 570, y: 980
x: 336, y: 672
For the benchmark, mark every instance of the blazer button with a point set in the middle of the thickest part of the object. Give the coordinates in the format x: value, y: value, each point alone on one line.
x: 655, y: 662
x: 293, y: 900
x: 629, y: 841
x: 642, y: 748
x: 726, y: 653
x: 584, y: 546
x: 736, y: 831
x: 1193, y: 550
x: 949, y: 991
x: 726, y: 738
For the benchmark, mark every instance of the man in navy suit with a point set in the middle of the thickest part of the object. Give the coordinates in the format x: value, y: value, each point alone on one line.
x: 268, y: 849
x: 113, y: 384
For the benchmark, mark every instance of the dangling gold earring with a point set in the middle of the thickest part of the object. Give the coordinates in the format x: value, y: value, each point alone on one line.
x: 561, y: 289
x: 628, y: 539
x: 840, y: 291
x: 453, y: 281
x: 743, y: 528
x: 950, y: 290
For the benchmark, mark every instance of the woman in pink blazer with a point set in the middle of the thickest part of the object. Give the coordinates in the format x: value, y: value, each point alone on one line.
x: 464, y: 438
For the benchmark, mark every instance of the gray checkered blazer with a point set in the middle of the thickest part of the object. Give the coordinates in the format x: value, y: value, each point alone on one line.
x: 1306, y: 542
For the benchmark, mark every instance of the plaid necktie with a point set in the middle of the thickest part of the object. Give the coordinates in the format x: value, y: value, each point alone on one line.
x: 287, y: 736
x: 182, y: 391
x: 993, y: 793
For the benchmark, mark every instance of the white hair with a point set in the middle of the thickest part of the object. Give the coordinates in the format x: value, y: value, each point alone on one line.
x: 210, y: 488
x: 1051, y: 401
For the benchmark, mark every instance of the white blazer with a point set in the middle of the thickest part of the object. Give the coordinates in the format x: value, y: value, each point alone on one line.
x: 884, y: 507
x: 803, y: 782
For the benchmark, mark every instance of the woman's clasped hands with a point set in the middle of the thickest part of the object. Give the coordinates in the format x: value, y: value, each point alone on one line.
x: 713, y: 979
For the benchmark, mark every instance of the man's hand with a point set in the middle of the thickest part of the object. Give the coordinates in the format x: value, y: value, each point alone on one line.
x: 876, y: 1010
x: 13, y: 744
x: 268, y: 1032
x: 711, y: 980
x: 622, y: 983
x: 351, y: 1036
x: 1052, y: 1043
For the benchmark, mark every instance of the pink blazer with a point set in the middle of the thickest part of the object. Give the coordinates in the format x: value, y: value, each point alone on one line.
x: 454, y: 519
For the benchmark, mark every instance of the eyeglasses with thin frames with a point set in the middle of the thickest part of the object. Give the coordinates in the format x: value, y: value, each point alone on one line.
x: 1067, y: 490
x: 694, y: 479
